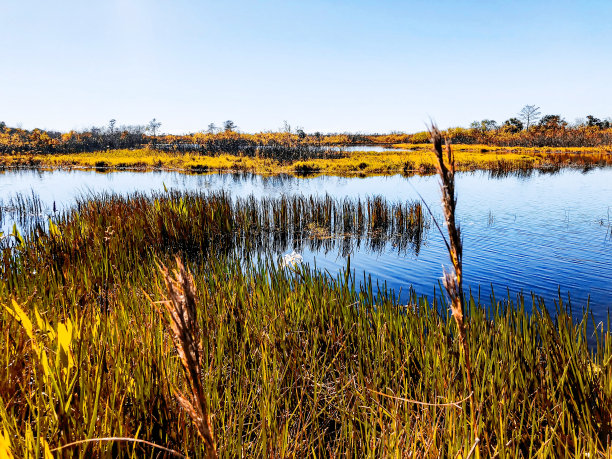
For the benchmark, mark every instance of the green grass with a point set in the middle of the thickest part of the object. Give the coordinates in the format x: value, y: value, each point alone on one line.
x: 295, y: 362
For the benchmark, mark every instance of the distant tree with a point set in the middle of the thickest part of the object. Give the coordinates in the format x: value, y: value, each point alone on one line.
x: 484, y: 125
x: 513, y: 125
x: 111, y: 136
x: 153, y: 126
x: 489, y: 125
x: 2, y: 126
x: 552, y: 122
x: 529, y: 114
x: 592, y: 121
x: 229, y: 126
x: 596, y: 122
x: 286, y: 127
x: 212, y: 128
x: 300, y: 132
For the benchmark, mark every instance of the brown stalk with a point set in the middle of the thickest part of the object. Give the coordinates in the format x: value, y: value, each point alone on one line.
x: 182, y: 319
x: 452, y: 281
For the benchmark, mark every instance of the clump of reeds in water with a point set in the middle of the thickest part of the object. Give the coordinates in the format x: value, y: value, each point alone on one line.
x: 200, y: 225
x: 23, y: 209
x: 21, y: 214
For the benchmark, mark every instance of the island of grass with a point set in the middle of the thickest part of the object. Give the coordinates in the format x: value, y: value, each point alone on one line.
x: 402, y: 158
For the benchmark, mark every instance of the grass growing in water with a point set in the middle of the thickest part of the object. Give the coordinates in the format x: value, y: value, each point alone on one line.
x: 294, y: 362
x: 199, y: 223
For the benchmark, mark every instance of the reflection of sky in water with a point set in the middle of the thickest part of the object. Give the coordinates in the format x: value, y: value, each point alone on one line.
x: 377, y: 148
x: 541, y: 233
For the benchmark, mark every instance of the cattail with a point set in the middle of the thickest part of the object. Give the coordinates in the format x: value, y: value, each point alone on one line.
x: 452, y: 281
x: 182, y: 319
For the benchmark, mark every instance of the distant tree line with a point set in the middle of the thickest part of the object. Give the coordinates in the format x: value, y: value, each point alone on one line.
x: 529, y: 116
x: 286, y: 143
x: 112, y: 136
x: 528, y: 128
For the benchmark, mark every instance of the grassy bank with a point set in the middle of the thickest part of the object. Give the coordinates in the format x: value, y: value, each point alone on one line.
x: 418, y: 159
x: 295, y: 362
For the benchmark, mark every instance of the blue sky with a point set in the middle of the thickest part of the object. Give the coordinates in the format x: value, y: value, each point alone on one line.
x: 360, y: 66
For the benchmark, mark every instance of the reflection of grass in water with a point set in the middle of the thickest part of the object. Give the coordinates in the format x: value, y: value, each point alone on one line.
x: 216, y: 222
x: 294, y: 362
x: 419, y: 159
x: 23, y: 212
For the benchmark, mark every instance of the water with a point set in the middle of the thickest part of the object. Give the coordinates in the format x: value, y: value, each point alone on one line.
x: 542, y: 233
x: 376, y: 148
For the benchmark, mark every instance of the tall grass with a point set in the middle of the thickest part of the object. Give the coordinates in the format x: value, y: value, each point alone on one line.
x: 23, y: 209
x: 200, y: 223
x: 294, y: 362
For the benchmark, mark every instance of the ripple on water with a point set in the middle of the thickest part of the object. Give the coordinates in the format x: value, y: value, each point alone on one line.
x: 543, y: 233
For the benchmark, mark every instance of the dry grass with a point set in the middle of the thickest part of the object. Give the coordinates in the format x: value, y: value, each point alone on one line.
x: 453, y: 281
x: 182, y: 319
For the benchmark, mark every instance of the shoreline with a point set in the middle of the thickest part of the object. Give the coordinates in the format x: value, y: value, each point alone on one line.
x: 419, y: 160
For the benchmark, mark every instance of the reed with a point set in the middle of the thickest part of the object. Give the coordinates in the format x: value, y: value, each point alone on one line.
x: 23, y: 209
x: 181, y: 311
x: 199, y: 224
x: 453, y: 281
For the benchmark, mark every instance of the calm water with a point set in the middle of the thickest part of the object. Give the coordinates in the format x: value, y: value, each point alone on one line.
x: 377, y: 148
x: 541, y: 234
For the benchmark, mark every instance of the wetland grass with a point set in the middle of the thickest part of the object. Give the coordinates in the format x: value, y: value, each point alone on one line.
x: 199, y: 223
x: 23, y: 208
x: 308, y: 159
x: 294, y: 362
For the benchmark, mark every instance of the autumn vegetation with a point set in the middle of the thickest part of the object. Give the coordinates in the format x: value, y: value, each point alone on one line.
x: 526, y: 142
x: 529, y: 129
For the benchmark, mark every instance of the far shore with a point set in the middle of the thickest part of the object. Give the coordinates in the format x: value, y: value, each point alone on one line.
x: 408, y: 159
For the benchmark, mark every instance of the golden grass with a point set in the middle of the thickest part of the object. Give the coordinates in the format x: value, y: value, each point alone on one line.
x: 294, y: 362
x: 418, y: 159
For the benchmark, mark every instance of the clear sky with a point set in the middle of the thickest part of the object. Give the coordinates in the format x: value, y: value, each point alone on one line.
x: 341, y: 65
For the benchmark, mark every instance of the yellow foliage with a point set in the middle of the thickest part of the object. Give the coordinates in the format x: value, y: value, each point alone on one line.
x: 60, y: 342
x: 5, y: 446
x: 415, y: 157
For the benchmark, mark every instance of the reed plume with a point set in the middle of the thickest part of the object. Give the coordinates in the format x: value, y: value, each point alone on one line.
x: 182, y: 319
x: 453, y: 281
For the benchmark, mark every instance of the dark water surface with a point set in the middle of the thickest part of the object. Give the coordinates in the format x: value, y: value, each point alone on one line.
x: 543, y: 233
